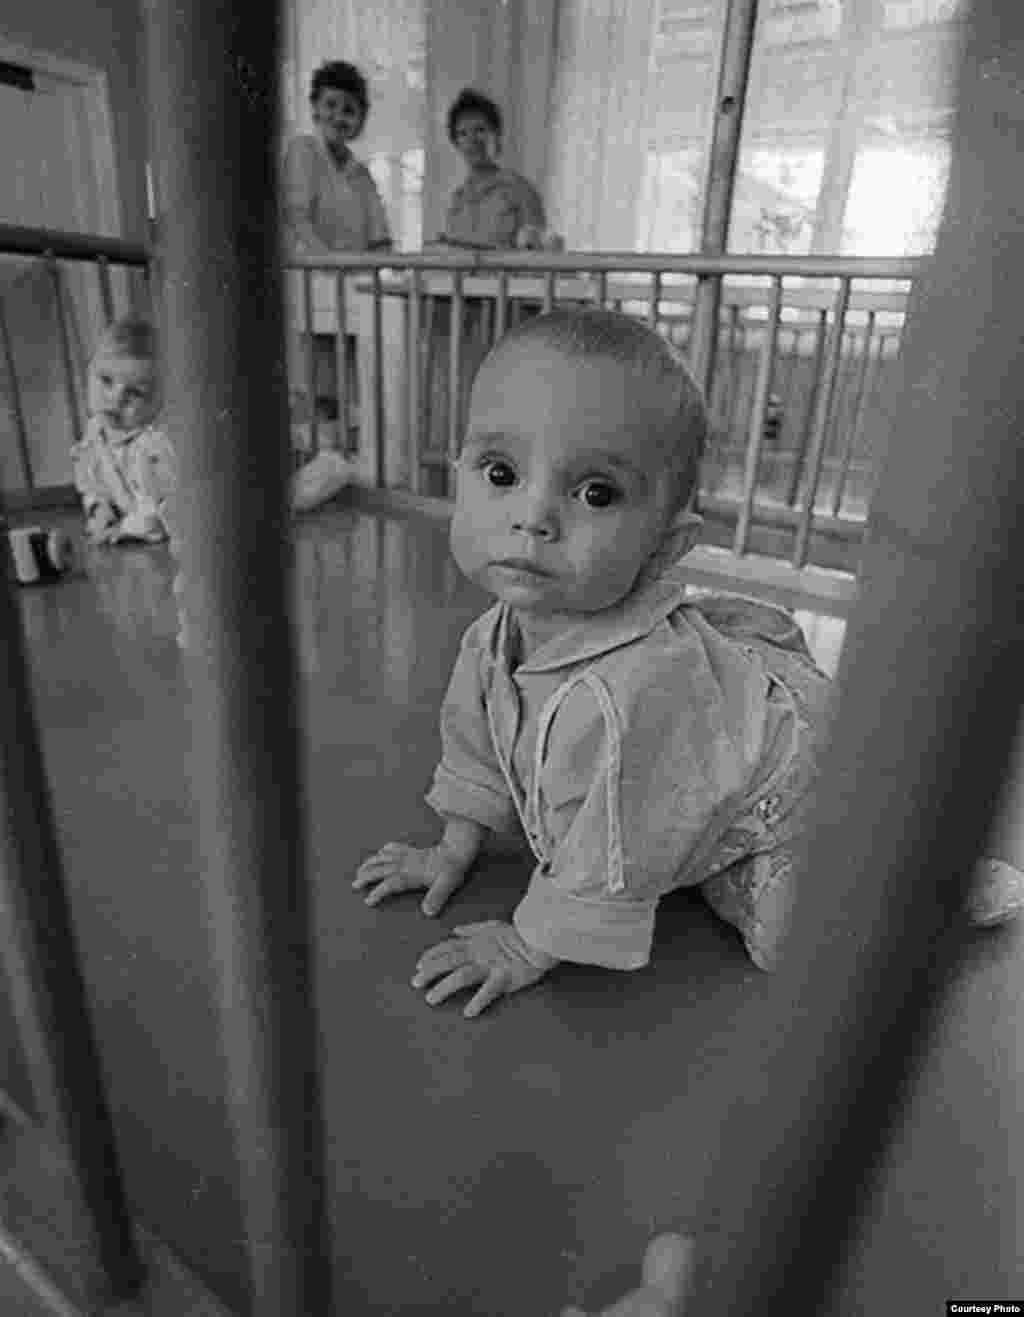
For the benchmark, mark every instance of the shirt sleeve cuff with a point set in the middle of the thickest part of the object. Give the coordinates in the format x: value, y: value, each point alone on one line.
x: 617, y: 935
x: 451, y: 795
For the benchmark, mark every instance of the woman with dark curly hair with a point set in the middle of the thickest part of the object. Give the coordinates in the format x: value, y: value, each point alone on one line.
x: 331, y: 202
x: 494, y: 207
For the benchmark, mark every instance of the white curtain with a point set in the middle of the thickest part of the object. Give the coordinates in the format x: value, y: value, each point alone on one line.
x: 602, y: 102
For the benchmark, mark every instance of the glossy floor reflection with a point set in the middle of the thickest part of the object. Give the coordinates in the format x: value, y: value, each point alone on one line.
x: 504, y: 1166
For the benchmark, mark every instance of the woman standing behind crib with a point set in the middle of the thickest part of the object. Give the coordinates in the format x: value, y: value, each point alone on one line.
x: 330, y: 204
x: 494, y: 208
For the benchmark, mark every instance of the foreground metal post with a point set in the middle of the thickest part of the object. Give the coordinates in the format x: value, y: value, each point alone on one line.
x: 40, y: 958
x: 931, y: 690
x: 214, y: 123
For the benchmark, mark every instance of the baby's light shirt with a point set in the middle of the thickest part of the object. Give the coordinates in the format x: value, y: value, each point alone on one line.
x: 644, y: 750
x: 125, y: 468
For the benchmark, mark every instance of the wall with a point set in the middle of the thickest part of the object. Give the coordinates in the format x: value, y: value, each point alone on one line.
x: 108, y: 35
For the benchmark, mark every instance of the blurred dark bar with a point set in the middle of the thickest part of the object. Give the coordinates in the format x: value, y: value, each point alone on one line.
x: 931, y: 693
x: 19, y: 241
x: 214, y: 125
x: 41, y: 963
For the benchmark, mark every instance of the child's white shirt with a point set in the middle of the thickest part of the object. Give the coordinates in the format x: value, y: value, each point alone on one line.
x: 135, y: 471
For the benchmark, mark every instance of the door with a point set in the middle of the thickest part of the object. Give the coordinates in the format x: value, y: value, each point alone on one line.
x: 56, y: 172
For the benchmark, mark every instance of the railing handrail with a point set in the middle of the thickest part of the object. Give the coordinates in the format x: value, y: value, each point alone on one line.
x: 16, y: 240
x: 526, y: 262
x: 24, y: 241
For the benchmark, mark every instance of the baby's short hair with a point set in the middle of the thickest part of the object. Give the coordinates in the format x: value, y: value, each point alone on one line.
x: 598, y: 333
x: 129, y: 336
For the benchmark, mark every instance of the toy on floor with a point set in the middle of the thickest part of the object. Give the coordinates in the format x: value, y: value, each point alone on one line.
x: 125, y: 469
x: 40, y: 555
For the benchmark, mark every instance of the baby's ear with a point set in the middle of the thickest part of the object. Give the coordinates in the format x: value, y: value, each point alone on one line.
x: 678, y: 538
x: 681, y: 534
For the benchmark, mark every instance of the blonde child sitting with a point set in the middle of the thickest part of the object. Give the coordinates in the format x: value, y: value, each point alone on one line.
x: 644, y: 740
x: 125, y: 468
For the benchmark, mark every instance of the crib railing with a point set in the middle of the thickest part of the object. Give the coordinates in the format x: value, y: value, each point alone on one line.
x: 74, y: 284
x: 382, y: 349
x: 792, y: 370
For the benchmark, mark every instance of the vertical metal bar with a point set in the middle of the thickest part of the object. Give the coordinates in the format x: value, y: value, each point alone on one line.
x: 380, y: 435
x: 858, y: 416
x: 415, y: 360
x: 817, y: 372
x: 824, y: 409
x: 719, y: 184
x: 549, y: 291
x: 214, y: 109
x: 501, y: 315
x: 310, y: 346
x: 655, y: 298
x: 735, y: 329
x: 871, y: 961
x: 455, y: 366
x: 876, y: 370
x: 341, y: 357
x: 602, y: 288
x: 151, y: 283
x: 67, y: 360
x: 20, y: 428
x: 430, y: 344
x: 41, y: 960
x: 106, y: 292
x: 755, y: 437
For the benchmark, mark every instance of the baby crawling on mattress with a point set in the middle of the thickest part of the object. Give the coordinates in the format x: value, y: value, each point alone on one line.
x: 644, y: 740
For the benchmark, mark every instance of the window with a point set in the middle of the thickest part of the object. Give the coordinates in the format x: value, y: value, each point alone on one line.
x: 849, y: 101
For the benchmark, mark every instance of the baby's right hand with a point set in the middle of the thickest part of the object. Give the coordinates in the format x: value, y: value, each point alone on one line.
x: 400, y: 868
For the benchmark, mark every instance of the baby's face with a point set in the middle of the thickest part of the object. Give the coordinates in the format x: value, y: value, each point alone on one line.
x: 563, y: 492
x: 123, y: 391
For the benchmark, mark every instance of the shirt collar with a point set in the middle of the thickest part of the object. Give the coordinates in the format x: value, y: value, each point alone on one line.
x: 633, y: 618
x: 118, y: 438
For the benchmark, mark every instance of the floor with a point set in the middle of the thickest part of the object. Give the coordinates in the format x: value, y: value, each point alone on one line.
x: 509, y: 1165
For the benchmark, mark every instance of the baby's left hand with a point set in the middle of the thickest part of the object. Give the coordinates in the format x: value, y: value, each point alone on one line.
x: 492, y: 954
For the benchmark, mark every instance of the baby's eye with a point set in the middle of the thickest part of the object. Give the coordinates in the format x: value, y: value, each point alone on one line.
x: 106, y: 381
x: 498, y: 473
x: 599, y: 494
